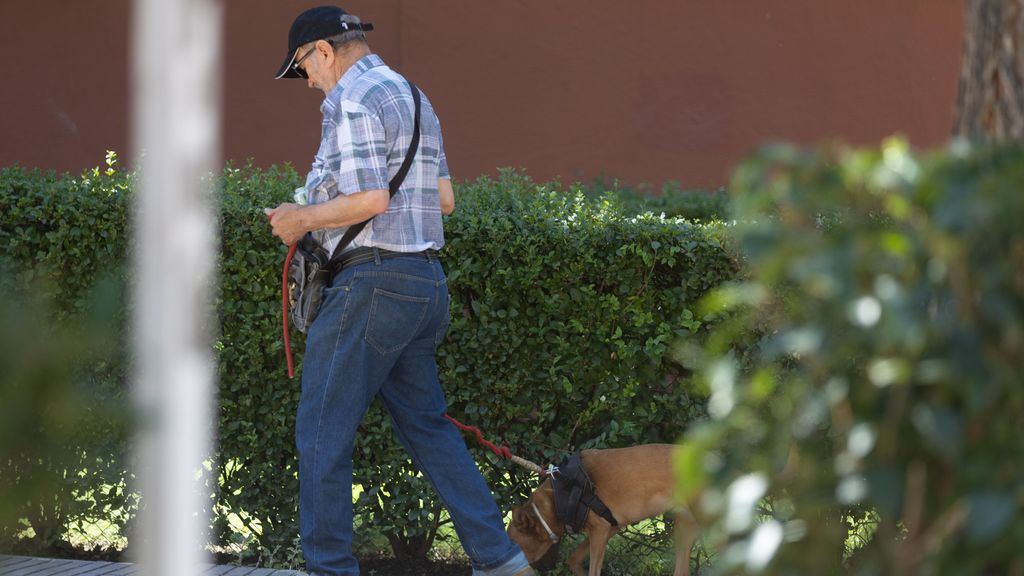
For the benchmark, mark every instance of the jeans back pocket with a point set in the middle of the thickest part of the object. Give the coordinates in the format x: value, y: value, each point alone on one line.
x: 395, y: 319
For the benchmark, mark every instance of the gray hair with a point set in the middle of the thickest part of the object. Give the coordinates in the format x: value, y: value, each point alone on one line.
x: 355, y: 35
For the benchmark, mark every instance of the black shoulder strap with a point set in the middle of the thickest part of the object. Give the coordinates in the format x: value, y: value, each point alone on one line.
x: 395, y: 182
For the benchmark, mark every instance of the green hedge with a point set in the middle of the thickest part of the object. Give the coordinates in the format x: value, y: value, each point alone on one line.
x: 564, y: 308
x: 879, y: 413
x: 672, y: 201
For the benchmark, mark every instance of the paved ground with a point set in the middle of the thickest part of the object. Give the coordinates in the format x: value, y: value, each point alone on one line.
x: 26, y: 566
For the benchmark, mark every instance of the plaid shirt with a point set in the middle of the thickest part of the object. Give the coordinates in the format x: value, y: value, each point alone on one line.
x: 367, y: 128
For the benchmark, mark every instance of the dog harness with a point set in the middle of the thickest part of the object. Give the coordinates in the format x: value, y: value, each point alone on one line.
x: 574, y: 495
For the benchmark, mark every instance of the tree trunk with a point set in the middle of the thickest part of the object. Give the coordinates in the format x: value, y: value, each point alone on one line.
x: 990, y: 104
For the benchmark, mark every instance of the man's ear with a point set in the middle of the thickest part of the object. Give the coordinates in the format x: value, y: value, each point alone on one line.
x: 325, y: 48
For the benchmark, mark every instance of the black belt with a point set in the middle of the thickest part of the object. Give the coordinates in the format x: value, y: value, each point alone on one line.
x: 370, y: 254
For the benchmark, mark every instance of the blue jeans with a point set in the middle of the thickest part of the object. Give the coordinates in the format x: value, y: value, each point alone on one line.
x: 376, y: 335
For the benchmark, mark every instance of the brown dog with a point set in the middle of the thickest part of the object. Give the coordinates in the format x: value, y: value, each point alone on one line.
x: 634, y: 483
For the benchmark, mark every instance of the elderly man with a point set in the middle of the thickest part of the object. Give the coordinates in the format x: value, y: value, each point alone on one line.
x: 386, y: 308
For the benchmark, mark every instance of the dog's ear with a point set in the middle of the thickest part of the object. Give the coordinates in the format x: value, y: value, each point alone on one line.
x: 523, y: 520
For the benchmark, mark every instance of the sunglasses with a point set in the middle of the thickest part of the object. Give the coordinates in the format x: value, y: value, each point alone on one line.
x: 295, y: 66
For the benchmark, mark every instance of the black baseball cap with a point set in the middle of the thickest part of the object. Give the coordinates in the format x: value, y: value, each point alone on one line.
x: 312, y: 25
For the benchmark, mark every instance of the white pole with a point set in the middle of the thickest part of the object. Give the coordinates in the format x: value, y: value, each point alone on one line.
x: 176, y: 54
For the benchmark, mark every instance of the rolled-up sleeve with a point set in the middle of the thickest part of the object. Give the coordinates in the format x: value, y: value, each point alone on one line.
x: 442, y: 171
x: 360, y: 159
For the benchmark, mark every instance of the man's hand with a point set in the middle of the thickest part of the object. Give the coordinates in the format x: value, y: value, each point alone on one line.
x: 291, y: 221
x: 287, y: 222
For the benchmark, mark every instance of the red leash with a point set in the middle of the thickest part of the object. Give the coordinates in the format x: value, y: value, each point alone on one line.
x: 284, y: 309
x: 501, y: 451
x: 284, y: 305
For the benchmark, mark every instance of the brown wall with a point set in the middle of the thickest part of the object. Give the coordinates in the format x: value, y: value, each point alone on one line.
x: 645, y: 91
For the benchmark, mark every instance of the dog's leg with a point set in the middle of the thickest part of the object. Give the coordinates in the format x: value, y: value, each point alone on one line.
x: 686, y: 531
x: 577, y: 557
x: 599, y: 536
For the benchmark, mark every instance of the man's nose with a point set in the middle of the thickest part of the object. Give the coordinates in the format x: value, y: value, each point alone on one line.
x: 310, y: 83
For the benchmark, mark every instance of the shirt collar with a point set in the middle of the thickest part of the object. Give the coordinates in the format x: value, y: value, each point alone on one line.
x: 355, y: 71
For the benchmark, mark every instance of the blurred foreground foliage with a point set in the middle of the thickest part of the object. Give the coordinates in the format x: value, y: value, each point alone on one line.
x: 869, y: 371
x: 63, y: 416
